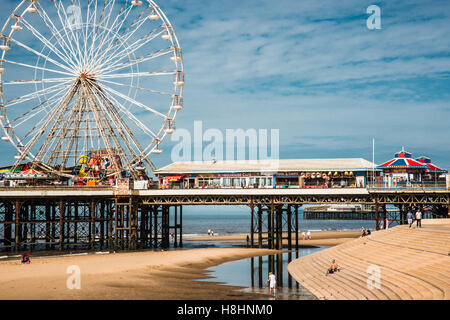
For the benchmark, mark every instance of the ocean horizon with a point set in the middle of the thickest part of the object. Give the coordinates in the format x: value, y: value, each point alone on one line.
x: 235, y: 220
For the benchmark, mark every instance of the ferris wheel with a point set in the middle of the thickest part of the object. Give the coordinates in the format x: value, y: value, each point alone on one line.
x: 84, y: 79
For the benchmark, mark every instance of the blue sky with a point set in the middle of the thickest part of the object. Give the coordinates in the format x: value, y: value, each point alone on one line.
x: 313, y: 70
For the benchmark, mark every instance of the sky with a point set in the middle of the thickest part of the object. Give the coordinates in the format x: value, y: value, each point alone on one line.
x: 313, y: 70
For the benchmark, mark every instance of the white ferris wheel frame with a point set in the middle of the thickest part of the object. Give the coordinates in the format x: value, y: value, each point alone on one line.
x: 75, y: 60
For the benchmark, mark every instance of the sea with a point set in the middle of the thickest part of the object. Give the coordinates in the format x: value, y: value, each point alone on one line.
x: 235, y: 220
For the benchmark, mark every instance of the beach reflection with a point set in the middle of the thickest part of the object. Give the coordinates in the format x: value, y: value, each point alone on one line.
x: 252, y: 273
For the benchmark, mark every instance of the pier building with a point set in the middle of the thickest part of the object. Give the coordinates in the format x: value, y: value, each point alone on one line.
x: 283, y: 173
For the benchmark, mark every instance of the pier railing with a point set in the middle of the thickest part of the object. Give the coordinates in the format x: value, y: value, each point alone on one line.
x: 409, y: 186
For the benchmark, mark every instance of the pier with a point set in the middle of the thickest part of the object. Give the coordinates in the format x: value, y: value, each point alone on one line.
x: 86, y: 218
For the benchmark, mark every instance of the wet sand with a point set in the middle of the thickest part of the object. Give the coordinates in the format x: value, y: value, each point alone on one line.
x: 166, y: 275
x: 317, y: 238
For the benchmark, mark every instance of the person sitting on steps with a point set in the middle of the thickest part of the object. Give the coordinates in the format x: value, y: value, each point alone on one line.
x: 333, y: 268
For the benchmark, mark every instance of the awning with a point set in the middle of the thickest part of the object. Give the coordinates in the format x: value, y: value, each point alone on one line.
x: 402, y: 160
x: 431, y: 168
x: 173, y: 178
x: 27, y: 174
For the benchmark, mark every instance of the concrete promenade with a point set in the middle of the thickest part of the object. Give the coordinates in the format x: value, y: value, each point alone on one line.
x: 412, y: 264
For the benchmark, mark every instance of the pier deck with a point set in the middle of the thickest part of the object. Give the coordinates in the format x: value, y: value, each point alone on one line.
x: 57, y: 218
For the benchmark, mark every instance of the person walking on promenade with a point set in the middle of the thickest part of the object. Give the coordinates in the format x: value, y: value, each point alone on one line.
x: 409, y: 217
x: 419, y: 218
x: 272, y: 283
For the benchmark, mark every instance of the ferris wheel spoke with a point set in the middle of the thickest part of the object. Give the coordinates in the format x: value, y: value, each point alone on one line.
x: 97, y: 112
x: 104, y: 38
x: 132, y: 48
x: 69, y: 38
x: 98, y: 23
x: 34, y: 130
x: 124, y: 110
x: 36, y: 81
x: 42, y: 56
x: 149, y: 56
x: 49, y: 45
x: 103, y: 35
x: 127, y: 64
x: 64, y: 102
x: 44, y: 106
x: 108, y: 57
x: 46, y: 58
x: 135, y: 87
x: 79, y: 35
x: 136, y: 103
x: 133, y: 26
x: 121, y: 39
x: 106, y: 18
x: 57, y: 35
x: 121, y: 127
x: 37, y: 94
x: 136, y: 74
x: 70, y: 28
x: 38, y: 68
x: 37, y: 109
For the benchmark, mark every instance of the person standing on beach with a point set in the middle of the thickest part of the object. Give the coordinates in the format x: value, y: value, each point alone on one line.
x: 309, y: 235
x: 387, y: 223
x: 419, y: 218
x: 272, y: 283
x: 303, y: 235
x: 409, y: 217
x: 26, y: 258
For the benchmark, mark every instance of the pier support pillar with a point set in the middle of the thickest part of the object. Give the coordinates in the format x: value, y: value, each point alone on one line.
x: 296, y: 226
x: 377, y: 215
x: 289, y: 227
x: 252, y: 227
x: 61, y: 208
x: 177, y: 225
x: 260, y: 235
x: 17, y: 207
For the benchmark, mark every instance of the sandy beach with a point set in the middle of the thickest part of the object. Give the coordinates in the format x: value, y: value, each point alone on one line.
x: 317, y: 238
x: 138, y: 275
